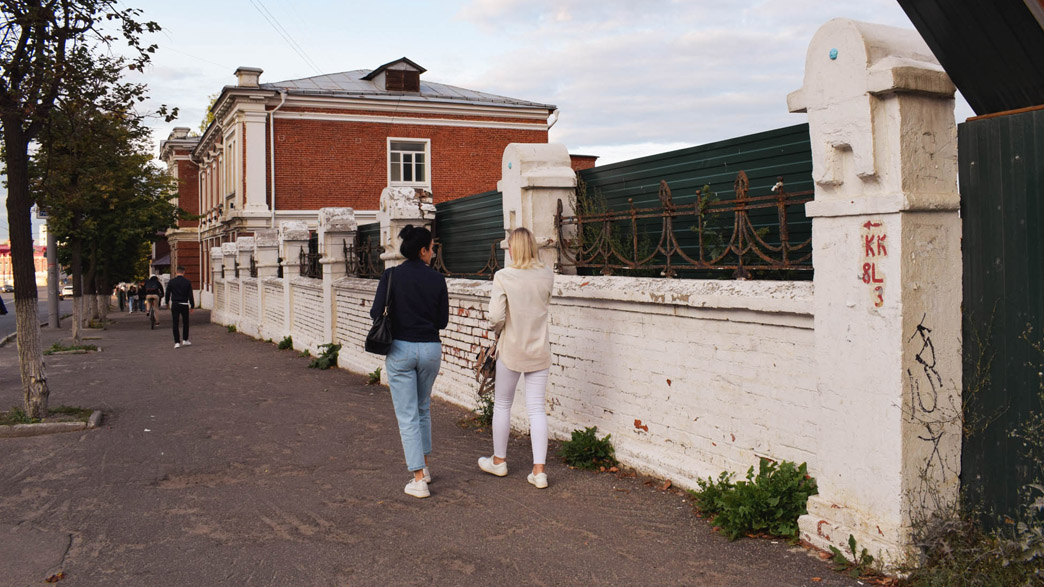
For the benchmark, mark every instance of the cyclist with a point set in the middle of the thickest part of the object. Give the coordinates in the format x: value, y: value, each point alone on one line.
x: 153, y: 293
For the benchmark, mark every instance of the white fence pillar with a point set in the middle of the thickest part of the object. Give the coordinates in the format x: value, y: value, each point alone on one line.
x: 337, y: 228
x: 401, y: 206
x: 886, y: 248
x: 534, y: 177
x: 266, y: 253
x: 218, y: 281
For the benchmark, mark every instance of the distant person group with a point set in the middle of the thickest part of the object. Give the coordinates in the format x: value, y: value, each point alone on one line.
x: 518, y: 314
x: 145, y: 296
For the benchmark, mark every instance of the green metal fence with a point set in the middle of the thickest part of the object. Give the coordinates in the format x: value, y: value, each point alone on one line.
x: 468, y: 232
x: 1001, y: 163
x: 766, y: 158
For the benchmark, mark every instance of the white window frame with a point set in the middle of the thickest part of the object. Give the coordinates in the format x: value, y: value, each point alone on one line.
x: 427, y: 162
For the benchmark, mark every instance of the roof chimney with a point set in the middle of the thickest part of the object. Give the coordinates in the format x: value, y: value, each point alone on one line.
x: 247, y: 77
x: 179, y: 132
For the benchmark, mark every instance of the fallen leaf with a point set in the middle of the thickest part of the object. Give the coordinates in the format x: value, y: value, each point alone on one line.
x: 817, y: 579
x: 613, y: 470
x: 638, y: 424
x: 824, y: 555
x: 55, y: 577
x: 666, y: 485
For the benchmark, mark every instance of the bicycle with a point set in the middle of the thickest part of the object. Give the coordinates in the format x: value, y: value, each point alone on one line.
x: 152, y: 317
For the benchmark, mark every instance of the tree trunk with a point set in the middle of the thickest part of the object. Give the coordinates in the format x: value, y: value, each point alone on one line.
x: 104, y: 295
x: 76, y: 266
x: 19, y: 206
x: 90, y: 287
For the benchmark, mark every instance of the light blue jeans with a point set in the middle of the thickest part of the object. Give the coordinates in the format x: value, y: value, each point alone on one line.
x: 412, y: 367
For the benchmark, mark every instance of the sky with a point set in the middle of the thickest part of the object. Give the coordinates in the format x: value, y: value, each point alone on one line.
x: 630, y: 78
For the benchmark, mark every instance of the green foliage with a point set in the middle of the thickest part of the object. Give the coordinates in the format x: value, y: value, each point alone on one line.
x: 81, y: 414
x: 327, y: 356
x: 859, y: 565
x: 586, y: 451
x: 16, y: 415
x: 958, y: 551
x: 304, y: 353
x: 59, y: 348
x: 374, y: 377
x: 614, y: 236
x: 286, y: 343
x: 231, y: 328
x: 769, y: 503
x: 484, y: 412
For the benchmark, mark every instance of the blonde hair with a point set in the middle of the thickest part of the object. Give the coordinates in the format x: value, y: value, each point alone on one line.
x: 523, y: 249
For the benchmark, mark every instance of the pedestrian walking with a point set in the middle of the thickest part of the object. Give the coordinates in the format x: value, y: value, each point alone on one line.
x: 181, y: 301
x: 132, y: 297
x: 518, y: 313
x: 419, y: 309
x: 141, y: 296
x: 121, y: 296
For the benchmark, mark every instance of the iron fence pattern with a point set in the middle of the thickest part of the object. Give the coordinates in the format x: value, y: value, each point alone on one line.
x: 708, y: 234
x: 310, y: 265
x: 253, y: 266
x: 362, y: 258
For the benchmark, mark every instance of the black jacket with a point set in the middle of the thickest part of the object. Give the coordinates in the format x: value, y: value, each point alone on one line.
x: 153, y: 287
x: 419, y: 302
x: 179, y: 291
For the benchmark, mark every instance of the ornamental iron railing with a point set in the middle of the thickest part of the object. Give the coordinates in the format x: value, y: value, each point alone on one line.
x: 708, y: 234
x: 235, y: 265
x: 253, y: 266
x: 310, y: 265
x: 486, y: 272
x: 363, y: 259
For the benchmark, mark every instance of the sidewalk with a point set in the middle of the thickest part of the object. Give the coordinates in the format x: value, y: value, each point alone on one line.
x: 231, y: 461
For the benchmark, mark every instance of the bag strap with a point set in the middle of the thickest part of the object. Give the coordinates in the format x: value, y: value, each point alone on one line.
x: 387, y: 291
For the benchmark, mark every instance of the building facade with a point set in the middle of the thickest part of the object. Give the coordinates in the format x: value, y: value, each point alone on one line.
x: 281, y: 151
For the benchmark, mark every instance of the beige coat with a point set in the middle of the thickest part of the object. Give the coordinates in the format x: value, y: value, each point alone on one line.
x: 518, y: 311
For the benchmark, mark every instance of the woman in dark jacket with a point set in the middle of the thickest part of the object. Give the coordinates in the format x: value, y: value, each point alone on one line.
x: 419, y: 309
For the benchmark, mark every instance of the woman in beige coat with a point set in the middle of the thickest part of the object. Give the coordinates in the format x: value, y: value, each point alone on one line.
x: 518, y: 312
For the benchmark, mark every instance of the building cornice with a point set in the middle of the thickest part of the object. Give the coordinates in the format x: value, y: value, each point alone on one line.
x: 541, y: 126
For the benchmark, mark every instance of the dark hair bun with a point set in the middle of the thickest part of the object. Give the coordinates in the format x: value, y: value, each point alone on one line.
x: 405, y: 232
x: 414, y: 238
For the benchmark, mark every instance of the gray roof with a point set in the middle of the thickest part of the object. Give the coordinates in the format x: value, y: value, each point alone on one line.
x: 351, y: 84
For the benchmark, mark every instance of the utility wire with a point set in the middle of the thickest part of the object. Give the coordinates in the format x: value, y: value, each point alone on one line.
x: 272, y: 20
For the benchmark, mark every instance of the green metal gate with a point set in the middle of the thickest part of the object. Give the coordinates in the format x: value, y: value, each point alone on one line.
x: 1002, y: 210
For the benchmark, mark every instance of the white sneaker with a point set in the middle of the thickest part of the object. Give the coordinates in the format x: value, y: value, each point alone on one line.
x: 417, y: 489
x: 487, y: 465
x: 177, y: 345
x: 539, y: 480
x: 427, y: 475
x: 187, y: 343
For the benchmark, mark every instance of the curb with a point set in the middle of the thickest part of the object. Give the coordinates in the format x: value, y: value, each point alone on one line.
x: 24, y: 430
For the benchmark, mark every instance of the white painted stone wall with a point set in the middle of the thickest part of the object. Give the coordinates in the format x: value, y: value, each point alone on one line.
x: 308, y: 313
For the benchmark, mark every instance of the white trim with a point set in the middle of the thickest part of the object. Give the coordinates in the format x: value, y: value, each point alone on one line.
x: 427, y: 163
x: 406, y: 105
x: 415, y: 121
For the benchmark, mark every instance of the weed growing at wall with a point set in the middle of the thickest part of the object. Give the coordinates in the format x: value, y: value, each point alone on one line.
x: 231, y: 327
x: 484, y: 412
x: 586, y: 451
x: 769, y: 503
x: 327, y: 356
x: 60, y: 348
x: 954, y: 547
x: 858, y: 565
x: 286, y: 343
x: 374, y: 377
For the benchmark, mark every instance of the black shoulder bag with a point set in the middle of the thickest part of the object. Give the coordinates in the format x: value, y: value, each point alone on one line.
x: 379, y: 339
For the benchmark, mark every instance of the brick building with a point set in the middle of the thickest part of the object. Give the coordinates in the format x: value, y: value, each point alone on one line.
x: 336, y: 140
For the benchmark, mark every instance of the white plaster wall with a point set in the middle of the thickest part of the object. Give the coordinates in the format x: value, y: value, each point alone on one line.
x: 308, y: 317
x: 273, y: 324
x: 250, y: 320
x: 218, y: 315
x: 738, y: 356
x: 233, y: 298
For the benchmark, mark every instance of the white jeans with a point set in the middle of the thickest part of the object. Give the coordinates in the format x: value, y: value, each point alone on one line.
x: 504, y: 396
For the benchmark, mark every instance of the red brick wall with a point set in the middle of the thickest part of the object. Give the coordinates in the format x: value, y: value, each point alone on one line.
x: 329, y: 163
x: 188, y: 190
x: 580, y: 162
x: 187, y: 254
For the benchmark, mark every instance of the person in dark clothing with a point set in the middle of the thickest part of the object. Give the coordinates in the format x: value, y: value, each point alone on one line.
x: 419, y: 309
x: 181, y: 301
x: 141, y: 296
x: 153, y: 293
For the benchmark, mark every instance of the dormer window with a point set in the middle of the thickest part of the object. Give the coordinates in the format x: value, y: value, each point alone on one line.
x: 401, y: 80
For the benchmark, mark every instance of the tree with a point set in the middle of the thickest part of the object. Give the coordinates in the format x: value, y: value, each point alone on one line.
x: 36, y: 39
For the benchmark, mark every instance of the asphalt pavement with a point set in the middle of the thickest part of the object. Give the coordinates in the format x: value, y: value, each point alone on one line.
x: 7, y: 321
x: 232, y: 462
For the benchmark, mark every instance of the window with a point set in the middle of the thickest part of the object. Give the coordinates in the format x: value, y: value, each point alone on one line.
x: 230, y: 165
x: 408, y: 162
x: 398, y: 80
